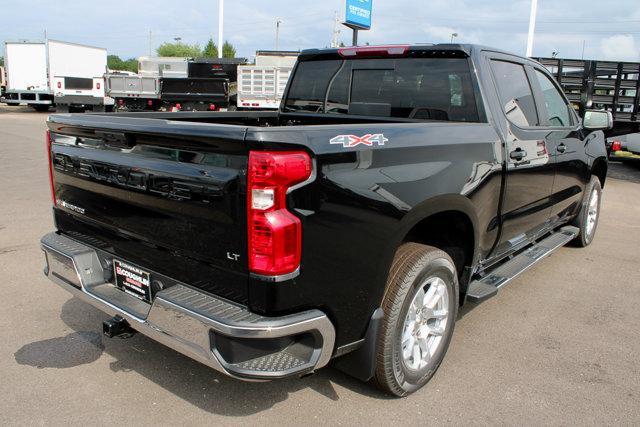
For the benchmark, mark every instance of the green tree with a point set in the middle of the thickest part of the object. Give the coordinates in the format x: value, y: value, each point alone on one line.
x: 179, y: 49
x: 115, y: 63
x: 228, y: 51
x: 210, y: 49
x: 1, y: 61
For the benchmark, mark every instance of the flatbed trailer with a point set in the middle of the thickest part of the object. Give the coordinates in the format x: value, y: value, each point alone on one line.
x: 601, y: 85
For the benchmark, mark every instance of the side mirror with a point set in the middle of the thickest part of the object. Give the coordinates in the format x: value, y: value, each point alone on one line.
x: 595, y: 120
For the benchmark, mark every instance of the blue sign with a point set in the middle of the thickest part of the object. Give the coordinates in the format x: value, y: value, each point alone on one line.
x: 358, y: 14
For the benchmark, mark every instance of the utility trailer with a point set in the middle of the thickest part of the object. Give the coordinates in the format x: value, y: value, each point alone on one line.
x: 218, y: 68
x: 52, y: 72
x: 261, y: 87
x: 194, y: 93
x: 601, y: 85
x: 133, y: 92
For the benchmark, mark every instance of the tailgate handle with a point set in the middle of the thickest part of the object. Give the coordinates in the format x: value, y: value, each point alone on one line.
x: 518, y: 154
x: 117, y: 139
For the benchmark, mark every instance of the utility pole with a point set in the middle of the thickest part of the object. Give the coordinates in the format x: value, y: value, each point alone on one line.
x: 278, y: 22
x: 220, y: 23
x: 336, y: 31
x: 532, y: 27
x: 584, y: 42
x: 150, y: 43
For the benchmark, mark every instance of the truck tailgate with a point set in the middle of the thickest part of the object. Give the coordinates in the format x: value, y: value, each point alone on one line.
x: 166, y: 196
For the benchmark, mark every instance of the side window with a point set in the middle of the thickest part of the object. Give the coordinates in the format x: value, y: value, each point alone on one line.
x: 557, y: 108
x: 515, y: 92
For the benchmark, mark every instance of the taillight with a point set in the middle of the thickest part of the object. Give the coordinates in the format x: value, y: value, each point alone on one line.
x: 59, y: 85
x: 51, y: 188
x: 212, y: 107
x: 275, y: 234
x: 616, y: 145
x: 97, y: 85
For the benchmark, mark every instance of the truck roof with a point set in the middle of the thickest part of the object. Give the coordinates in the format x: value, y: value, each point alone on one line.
x: 379, y: 50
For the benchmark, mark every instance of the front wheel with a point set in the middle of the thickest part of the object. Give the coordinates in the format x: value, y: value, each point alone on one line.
x: 587, y: 219
x: 420, y: 306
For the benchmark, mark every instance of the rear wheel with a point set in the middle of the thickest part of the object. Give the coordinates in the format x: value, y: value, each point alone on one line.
x: 420, y: 306
x: 587, y: 219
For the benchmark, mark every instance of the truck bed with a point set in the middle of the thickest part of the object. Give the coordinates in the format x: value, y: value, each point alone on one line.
x: 167, y: 191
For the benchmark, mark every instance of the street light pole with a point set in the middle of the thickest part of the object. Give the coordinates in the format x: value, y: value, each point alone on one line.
x: 220, y: 24
x: 532, y: 27
x: 453, y: 35
x: 278, y: 22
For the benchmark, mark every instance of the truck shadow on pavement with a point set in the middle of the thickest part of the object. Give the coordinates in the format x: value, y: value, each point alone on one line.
x: 77, y: 348
x: 189, y: 380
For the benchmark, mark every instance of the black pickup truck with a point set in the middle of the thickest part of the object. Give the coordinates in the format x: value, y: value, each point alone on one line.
x: 394, y: 185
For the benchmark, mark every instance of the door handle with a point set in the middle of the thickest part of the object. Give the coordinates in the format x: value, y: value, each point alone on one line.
x: 518, y: 154
x: 561, y: 148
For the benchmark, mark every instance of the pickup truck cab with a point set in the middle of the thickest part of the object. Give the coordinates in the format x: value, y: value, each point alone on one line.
x: 394, y: 185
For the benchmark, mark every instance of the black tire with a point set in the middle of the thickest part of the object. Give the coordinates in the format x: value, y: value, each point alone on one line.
x: 413, y: 267
x: 585, y: 236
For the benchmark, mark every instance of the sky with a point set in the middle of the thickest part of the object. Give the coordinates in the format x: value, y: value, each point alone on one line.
x: 608, y: 30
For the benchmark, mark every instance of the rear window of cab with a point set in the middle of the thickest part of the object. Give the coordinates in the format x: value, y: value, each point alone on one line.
x: 439, y: 89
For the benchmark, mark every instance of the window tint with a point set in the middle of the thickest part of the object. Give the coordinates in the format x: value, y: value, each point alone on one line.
x: 557, y: 108
x: 308, y: 89
x: 516, y: 95
x: 416, y: 88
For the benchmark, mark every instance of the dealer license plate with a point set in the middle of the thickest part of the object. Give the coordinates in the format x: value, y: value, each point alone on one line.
x: 133, y: 280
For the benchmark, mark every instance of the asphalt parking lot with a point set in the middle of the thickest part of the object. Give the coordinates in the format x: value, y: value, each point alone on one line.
x: 560, y: 345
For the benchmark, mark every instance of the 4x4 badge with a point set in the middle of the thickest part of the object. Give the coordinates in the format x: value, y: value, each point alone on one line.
x: 349, y: 141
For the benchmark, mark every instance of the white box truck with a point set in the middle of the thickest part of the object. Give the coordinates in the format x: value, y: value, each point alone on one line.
x: 76, y: 75
x: 67, y: 75
x: 3, y: 81
x: 26, y: 74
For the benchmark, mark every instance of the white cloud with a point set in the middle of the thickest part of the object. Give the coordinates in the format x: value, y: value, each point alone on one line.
x: 620, y: 47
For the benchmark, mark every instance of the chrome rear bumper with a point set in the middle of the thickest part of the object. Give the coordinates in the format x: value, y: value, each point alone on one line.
x: 215, y: 332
